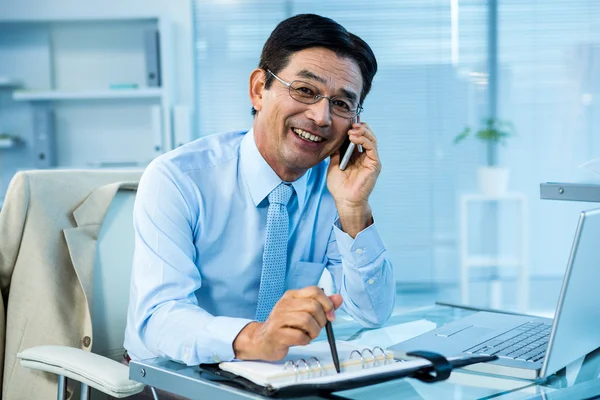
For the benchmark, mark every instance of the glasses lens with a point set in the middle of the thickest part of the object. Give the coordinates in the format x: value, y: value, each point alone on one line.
x: 309, y: 94
x: 343, y: 107
x: 304, y: 92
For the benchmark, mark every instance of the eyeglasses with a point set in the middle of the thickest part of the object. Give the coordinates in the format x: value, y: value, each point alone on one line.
x: 306, y: 93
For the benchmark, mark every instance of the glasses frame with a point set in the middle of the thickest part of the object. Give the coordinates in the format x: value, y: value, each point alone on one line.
x: 317, y: 97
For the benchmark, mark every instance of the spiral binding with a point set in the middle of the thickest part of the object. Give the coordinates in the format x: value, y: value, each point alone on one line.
x: 301, y: 365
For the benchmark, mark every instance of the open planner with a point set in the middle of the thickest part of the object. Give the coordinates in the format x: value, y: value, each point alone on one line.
x: 308, y: 370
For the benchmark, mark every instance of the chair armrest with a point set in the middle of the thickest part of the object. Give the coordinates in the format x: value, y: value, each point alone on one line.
x: 99, y: 372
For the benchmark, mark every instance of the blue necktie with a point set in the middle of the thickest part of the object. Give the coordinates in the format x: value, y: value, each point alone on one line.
x: 272, y: 278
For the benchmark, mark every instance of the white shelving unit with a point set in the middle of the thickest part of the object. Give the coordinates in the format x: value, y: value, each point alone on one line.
x: 469, y: 261
x: 81, y: 68
x: 86, y: 80
x: 7, y: 142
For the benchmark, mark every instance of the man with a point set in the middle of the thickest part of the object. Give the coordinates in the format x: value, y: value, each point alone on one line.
x: 234, y: 230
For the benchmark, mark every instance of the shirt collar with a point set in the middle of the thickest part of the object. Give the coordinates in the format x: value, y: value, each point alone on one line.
x: 260, y: 176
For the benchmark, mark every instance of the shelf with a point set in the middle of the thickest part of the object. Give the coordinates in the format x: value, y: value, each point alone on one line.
x: 114, y: 94
x: 9, y: 83
x: 7, y: 143
x: 570, y: 191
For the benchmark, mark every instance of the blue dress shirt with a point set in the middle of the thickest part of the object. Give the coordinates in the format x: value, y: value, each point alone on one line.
x: 200, y: 217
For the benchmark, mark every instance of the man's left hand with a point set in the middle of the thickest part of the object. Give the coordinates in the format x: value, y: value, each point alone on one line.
x: 351, y: 188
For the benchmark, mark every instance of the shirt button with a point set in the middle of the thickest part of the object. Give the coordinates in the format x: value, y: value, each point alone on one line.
x: 87, y: 341
x: 371, y: 281
x: 359, y: 251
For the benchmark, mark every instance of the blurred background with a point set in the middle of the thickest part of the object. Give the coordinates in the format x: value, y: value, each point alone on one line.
x: 113, y: 84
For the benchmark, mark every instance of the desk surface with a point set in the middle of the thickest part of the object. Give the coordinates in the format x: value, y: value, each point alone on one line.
x: 578, y: 381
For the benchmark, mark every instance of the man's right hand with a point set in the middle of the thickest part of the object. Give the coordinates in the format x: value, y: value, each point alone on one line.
x: 296, y: 319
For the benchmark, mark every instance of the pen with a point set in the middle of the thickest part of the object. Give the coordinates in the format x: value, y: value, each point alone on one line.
x: 332, y: 346
x: 331, y: 340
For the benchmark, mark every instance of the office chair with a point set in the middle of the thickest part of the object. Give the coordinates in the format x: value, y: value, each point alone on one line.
x: 101, y: 368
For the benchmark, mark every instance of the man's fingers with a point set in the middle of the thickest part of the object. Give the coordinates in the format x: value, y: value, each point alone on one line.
x: 314, y: 309
x: 313, y: 292
x: 306, y: 305
x: 337, y: 300
x: 364, y: 141
x: 328, y: 303
x: 363, y: 130
x: 305, y: 322
x: 297, y: 319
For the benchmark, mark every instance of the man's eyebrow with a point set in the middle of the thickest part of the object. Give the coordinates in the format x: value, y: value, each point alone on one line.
x: 349, y: 95
x: 310, y: 75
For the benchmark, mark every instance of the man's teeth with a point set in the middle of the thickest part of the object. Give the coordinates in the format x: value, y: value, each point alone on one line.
x: 307, y: 136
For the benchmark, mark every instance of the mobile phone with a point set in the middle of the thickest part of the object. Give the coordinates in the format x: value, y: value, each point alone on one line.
x: 347, y: 153
x: 349, y: 149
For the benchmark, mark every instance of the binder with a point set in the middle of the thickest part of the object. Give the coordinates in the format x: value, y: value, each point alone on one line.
x: 152, y: 52
x: 308, y: 370
x: 44, y: 136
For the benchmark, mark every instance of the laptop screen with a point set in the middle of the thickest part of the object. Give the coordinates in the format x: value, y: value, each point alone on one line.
x: 577, y: 319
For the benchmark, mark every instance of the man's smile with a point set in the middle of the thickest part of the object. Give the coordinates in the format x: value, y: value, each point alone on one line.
x: 307, y: 135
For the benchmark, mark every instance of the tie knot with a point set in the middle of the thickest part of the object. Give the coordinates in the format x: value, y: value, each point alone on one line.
x: 281, y: 194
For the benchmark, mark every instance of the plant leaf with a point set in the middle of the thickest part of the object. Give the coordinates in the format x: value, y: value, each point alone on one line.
x: 463, y: 135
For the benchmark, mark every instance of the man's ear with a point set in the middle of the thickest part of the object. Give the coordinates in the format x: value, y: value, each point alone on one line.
x: 257, y: 85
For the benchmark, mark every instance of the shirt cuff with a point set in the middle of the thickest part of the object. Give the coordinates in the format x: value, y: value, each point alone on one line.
x: 363, y: 249
x: 226, y: 329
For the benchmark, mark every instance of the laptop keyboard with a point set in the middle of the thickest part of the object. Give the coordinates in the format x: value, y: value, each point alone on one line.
x: 527, y: 342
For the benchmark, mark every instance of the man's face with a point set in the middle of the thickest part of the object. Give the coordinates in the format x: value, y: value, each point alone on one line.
x: 282, y: 123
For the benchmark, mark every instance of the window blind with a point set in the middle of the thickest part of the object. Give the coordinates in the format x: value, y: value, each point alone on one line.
x: 549, y: 87
x: 430, y: 53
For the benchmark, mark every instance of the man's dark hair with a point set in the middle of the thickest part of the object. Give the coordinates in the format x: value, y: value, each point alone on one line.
x: 304, y: 31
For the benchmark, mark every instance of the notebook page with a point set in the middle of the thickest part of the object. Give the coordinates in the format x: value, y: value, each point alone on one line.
x: 263, y: 373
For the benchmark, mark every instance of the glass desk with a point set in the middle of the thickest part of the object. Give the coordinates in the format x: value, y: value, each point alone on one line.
x: 579, y: 380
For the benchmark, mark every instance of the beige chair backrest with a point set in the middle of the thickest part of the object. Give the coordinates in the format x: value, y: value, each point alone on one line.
x: 52, y: 267
x: 112, y: 275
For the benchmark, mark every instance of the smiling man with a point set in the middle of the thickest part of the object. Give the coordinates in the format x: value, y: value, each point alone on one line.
x: 234, y: 230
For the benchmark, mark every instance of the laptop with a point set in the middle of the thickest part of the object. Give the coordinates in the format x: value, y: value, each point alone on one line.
x: 531, y: 347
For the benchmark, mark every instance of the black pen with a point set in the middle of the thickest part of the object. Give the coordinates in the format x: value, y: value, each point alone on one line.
x: 332, y: 346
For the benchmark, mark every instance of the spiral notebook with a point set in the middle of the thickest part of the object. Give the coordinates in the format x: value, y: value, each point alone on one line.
x: 310, y: 369
x: 309, y: 362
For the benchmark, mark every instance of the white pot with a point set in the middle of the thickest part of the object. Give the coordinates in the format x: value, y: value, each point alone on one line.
x: 493, y: 181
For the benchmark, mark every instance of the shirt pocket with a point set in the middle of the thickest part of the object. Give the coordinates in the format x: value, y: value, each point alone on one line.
x: 305, y: 274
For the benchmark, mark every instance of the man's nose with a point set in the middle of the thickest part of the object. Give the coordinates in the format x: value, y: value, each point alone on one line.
x: 320, y: 112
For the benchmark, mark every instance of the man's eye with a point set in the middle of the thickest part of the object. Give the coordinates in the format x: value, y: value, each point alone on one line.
x: 306, y: 91
x: 342, y: 104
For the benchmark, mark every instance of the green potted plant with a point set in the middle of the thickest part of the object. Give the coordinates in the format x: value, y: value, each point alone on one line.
x: 492, y: 179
